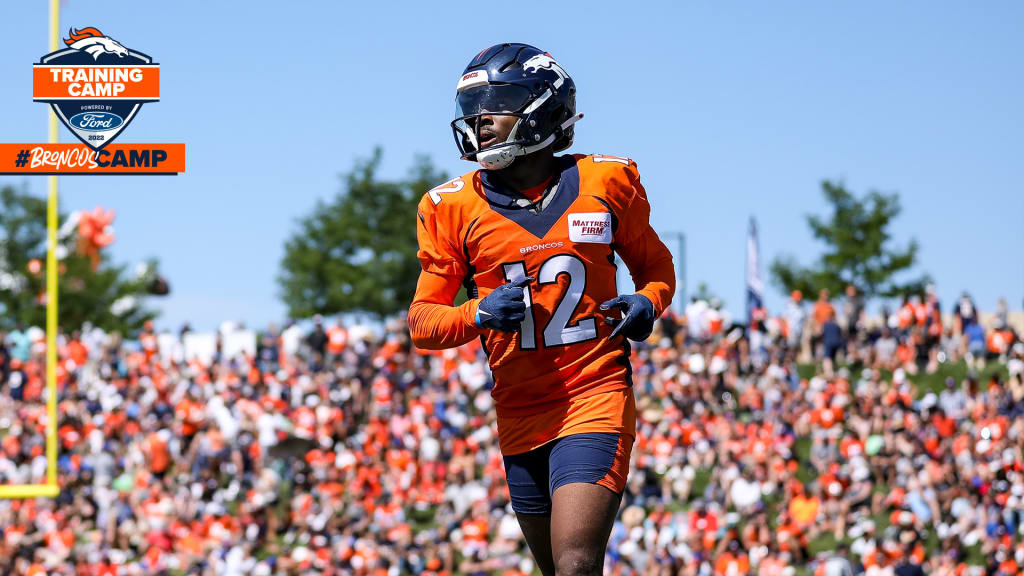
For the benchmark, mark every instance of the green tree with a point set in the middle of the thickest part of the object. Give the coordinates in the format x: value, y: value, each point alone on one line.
x: 704, y: 292
x: 358, y: 252
x: 107, y: 296
x: 858, y: 249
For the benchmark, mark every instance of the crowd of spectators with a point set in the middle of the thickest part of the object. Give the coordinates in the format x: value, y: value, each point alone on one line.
x: 337, y: 448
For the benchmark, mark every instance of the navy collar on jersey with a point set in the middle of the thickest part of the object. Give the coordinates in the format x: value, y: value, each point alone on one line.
x: 505, y: 201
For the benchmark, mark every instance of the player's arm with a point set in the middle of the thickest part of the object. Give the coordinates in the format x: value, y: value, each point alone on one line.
x: 650, y: 264
x: 434, y: 323
x: 648, y: 259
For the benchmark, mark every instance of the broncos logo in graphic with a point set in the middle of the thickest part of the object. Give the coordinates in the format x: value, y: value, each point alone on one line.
x: 94, y: 42
x: 545, y: 61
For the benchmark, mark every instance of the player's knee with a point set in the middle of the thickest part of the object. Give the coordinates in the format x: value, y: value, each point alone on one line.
x: 579, y: 561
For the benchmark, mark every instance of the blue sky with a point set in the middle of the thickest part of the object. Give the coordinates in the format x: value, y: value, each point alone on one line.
x: 730, y: 109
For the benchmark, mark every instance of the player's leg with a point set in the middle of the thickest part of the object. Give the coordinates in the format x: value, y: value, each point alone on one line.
x: 537, y: 531
x: 588, y: 475
x: 528, y: 486
x: 581, y: 522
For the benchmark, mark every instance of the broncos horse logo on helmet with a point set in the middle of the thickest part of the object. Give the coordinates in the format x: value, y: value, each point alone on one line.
x: 546, y: 62
x: 94, y: 42
x: 514, y: 80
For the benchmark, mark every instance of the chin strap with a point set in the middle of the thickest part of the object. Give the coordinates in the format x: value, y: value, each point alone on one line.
x: 550, y: 139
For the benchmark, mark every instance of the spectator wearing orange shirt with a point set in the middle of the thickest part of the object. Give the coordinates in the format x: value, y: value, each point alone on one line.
x: 733, y: 562
x: 147, y: 339
x: 804, y: 508
x: 76, y: 350
x: 337, y: 342
x: 158, y: 457
x: 822, y: 311
x: 191, y: 414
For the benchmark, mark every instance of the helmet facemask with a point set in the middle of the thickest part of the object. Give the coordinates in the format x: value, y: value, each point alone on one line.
x: 472, y: 104
x: 501, y: 154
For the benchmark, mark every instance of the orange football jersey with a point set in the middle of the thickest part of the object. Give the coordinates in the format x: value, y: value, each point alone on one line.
x: 474, y: 229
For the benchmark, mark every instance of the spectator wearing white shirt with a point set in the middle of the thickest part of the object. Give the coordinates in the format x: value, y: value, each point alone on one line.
x: 796, y: 317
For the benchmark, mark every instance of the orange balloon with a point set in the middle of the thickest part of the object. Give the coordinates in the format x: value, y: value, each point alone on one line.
x: 103, y: 218
x: 103, y: 239
x: 86, y: 227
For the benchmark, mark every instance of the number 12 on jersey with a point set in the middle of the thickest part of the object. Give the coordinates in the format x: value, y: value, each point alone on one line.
x: 558, y: 331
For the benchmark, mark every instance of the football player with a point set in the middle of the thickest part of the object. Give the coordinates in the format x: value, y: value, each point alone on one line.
x: 533, y: 237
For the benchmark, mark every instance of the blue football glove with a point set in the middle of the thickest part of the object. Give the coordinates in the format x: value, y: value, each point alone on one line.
x: 638, y: 316
x: 503, y: 309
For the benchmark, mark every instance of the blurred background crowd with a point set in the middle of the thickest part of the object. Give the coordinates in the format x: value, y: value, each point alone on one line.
x: 820, y: 440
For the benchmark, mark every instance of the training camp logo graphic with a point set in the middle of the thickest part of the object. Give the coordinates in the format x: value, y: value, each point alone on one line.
x: 95, y: 85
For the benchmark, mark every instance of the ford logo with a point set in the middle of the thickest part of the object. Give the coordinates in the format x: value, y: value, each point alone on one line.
x: 96, y: 121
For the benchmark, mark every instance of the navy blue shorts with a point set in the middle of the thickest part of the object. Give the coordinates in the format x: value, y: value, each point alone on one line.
x: 593, y: 458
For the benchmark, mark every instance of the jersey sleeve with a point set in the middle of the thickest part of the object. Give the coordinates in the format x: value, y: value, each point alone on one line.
x: 648, y: 259
x: 434, y: 324
x: 438, y: 249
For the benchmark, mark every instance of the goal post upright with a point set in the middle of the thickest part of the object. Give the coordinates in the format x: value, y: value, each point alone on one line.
x: 51, y: 290
x: 50, y: 489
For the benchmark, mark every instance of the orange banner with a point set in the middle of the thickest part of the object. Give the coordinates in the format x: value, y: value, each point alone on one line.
x: 63, y: 159
x: 138, y: 82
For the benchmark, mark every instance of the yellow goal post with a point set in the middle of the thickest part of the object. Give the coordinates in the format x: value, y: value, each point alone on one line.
x: 50, y: 489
